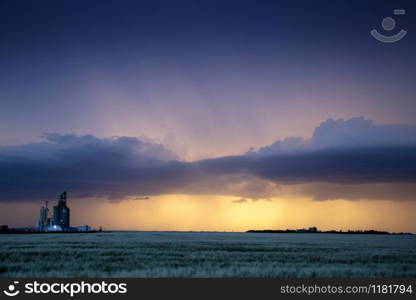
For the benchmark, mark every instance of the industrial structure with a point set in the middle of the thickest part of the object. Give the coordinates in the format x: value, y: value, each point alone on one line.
x: 44, y: 220
x: 60, y: 220
x: 61, y: 213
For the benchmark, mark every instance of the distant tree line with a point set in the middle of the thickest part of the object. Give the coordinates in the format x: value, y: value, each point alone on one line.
x: 315, y: 230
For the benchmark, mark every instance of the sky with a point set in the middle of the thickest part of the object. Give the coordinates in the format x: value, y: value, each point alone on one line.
x: 208, y: 115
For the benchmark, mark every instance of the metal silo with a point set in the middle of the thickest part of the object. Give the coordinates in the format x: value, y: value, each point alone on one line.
x: 42, y: 223
x: 65, y: 217
x: 61, y: 213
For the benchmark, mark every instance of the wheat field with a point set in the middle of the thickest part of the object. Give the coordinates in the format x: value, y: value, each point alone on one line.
x: 205, y: 254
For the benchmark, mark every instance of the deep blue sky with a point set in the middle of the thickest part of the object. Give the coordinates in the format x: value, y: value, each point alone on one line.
x: 179, y: 70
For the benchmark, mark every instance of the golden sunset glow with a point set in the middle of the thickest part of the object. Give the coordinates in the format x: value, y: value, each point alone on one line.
x: 220, y: 213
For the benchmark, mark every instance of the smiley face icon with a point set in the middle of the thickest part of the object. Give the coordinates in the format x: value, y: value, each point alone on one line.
x: 11, y: 291
x: 389, y: 24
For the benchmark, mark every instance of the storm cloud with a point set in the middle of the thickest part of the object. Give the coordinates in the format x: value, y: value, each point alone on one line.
x: 341, y: 158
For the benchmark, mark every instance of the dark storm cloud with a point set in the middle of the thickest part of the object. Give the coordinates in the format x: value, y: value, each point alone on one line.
x: 340, y: 151
x: 353, y: 133
x: 86, y: 165
x: 341, y: 154
x: 351, y: 165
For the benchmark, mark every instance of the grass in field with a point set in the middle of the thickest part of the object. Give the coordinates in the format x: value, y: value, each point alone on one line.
x: 158, y: 254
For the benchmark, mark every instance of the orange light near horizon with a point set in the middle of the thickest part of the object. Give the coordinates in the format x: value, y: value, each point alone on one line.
x: 220, y: 213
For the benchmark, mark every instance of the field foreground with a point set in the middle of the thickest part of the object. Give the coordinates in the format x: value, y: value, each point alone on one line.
x: 183, y: 254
